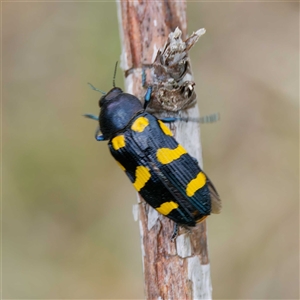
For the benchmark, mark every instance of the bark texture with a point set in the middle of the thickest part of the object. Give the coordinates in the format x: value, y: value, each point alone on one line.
x: 151, y: 41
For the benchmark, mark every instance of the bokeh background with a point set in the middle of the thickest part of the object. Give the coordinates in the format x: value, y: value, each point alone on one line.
x: 67, y: 227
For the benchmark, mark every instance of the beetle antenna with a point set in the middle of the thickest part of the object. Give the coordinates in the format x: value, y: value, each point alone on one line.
x: 95, y: 89
x: 115, y: 73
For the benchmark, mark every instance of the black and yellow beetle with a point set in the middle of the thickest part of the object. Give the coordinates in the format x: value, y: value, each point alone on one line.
x: 160, y: 169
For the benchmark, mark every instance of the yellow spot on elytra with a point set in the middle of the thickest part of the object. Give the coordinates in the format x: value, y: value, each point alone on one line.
x: 118, y: 142
x: 167, y: 207
x: 140, y: 124
x: 165, y: 128
x: 167, y: 155
x: 121, y: 166
x: 142, y: 175
x: 195, y: 184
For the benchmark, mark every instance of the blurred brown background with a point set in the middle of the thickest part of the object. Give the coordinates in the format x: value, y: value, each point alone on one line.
x: 68, y: 230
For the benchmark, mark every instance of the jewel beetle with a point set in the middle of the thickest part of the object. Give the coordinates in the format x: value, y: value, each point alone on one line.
x: 160, y: 169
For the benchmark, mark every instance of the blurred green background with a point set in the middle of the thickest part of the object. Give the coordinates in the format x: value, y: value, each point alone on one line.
x: 68, y: 229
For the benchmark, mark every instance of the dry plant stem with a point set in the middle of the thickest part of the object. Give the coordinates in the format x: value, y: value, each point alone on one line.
x: 172, y: 270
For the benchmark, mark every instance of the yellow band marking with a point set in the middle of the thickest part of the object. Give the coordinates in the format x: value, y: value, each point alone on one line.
x: 121, y: 166
x: 165, y: 128
x: 118, y: 142
x: 140, y: 124
x: 142, y: 175
x: 195, y: 184
x: 167, y: 155
x: 167, y: 207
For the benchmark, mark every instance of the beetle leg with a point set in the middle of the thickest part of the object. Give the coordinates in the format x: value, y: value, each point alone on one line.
x: 143, y: 77
x: 175, y: 232
x: 147, y: 96
x: 202, y: 120
x: 98, y: 137
x: 90, y: 116
x: 169, y: 119
x: 210, y: 118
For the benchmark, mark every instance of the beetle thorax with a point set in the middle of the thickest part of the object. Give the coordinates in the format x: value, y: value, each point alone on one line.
x: 116, y: 112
